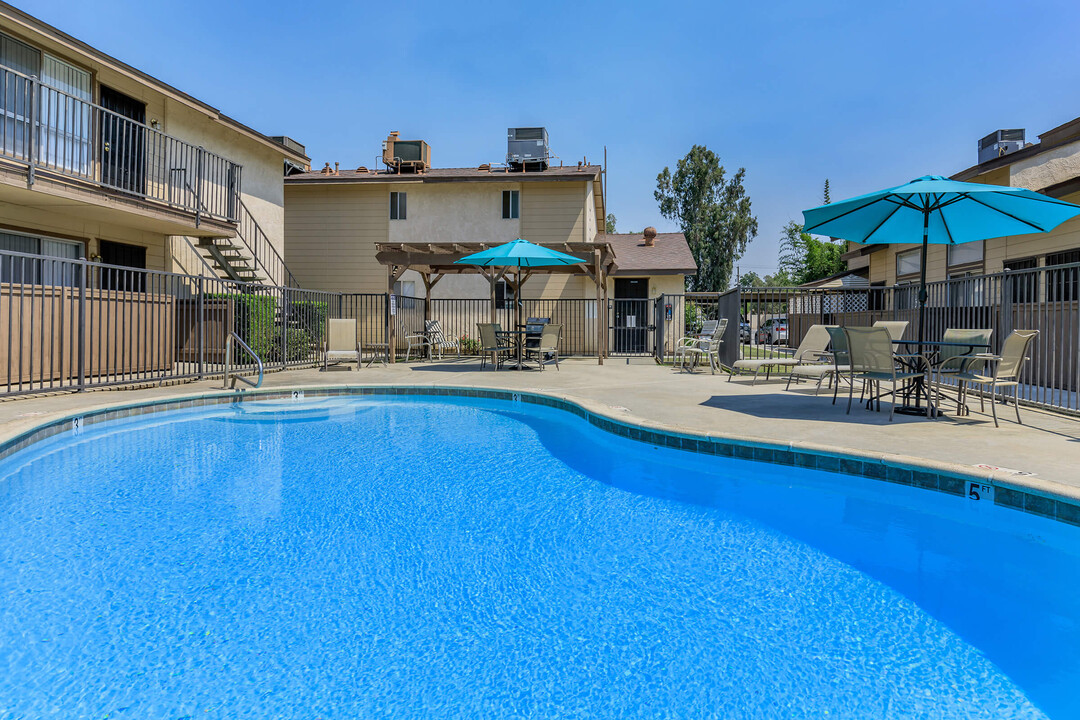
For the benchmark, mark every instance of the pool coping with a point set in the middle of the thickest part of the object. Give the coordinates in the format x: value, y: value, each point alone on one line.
x: 1026, y: 494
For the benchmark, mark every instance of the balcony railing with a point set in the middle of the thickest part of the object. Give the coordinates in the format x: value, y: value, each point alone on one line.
x: 53, y: 131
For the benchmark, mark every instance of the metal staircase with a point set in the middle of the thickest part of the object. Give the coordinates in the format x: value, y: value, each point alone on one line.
x: 249, y: 257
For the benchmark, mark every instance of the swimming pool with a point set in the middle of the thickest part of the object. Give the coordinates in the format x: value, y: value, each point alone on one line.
x: 440, y: 557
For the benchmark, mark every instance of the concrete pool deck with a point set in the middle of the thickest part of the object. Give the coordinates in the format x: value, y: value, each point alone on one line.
x: 1048, y: 445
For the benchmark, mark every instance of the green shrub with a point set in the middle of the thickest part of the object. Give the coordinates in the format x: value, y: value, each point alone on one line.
x: 311, y: 316
x: 253, y: 321
x: 692, y: 317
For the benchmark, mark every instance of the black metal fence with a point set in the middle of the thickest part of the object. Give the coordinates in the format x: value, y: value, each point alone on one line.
x: 72, y: 324
x: 769, y: 322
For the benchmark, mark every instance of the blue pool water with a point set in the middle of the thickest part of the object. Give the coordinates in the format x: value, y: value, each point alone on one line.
x: 352, y: 557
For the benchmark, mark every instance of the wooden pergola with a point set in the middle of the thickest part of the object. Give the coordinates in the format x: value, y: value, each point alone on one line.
x: 433, y: 261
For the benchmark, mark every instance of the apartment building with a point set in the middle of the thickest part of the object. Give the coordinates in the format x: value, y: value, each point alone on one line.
x: 100, y: 160
x: 1051, y: 166
x: 334, y: 218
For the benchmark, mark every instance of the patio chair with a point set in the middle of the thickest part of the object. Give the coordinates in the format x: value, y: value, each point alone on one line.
x: 872, y: 360
x: 954, y: 360
x: 418, y: 341
x: 689, y: 347
x: 1006, y: 373
x: 534, y: 328
x: 547, y: 345
x: 834, y: 366
x: 707, y: 349
x: 490, y: 343
x: 896, y: 328
x: 810, y: 350
x: 341, y: 343
x: 438, y: 341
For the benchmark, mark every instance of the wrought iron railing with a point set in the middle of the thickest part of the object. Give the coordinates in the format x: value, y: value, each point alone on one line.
x: 54, y: 132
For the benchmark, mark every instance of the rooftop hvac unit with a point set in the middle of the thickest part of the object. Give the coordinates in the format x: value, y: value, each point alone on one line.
x: 1000, y: 142
x: 527, y: 148
x: 406, y: 155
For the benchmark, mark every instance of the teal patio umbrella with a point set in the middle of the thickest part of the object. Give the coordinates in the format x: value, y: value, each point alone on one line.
x: 941, y: 212
x: 520, y: 254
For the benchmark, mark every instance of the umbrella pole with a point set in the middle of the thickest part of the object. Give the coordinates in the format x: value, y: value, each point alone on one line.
x: 922, y: 298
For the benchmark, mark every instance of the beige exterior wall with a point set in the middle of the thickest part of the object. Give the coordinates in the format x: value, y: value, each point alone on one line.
x: 332, y: 231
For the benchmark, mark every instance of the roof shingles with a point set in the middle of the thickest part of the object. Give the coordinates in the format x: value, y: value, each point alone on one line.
x: 669, y: 256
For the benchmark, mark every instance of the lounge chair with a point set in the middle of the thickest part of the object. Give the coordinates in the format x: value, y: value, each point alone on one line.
x: 1006, y: 372
x: 896, y: 328
x: 872, y: 360
x: 832, y: 366
x: 548, y: 344
x: 694, y: 347
x: 341, y: 344
x: 810, y: 350
x: 490, y: 344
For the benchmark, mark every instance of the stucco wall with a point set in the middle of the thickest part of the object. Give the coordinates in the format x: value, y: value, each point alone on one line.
x: 1048, y: 168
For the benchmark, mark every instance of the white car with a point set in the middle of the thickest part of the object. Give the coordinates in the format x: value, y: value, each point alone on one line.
x: 773, y: 331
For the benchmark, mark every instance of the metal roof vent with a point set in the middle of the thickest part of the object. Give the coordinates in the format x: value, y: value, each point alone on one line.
x: 527, y: 149
x: 999, y: 143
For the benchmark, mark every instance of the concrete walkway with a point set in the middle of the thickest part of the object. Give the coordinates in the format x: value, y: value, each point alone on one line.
x: 1048, y: 445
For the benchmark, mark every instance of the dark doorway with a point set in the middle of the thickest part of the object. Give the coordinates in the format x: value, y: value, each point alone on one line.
x: 123, y: 142
x: 127, y: 256
x: 632, y: 317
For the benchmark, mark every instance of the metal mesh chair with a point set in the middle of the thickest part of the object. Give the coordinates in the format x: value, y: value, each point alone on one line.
x: 872, y: 360
x: 547, y: 344
x: 1006, y: 372
x: 490, y: 344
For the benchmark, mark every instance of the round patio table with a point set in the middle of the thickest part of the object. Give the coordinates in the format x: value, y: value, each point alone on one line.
x: 925, y: 362
x: 518, y: 337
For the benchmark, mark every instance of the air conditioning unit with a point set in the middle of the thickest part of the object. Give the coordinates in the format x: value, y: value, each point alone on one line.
x: 406, y: 155
x: 527, y: 148
x: 1000, y: 142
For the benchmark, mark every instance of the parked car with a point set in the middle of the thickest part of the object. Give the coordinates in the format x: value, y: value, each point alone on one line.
x: 773, y: 331
x: 744, y: 332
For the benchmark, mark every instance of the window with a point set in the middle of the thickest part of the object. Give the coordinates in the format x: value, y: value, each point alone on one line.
x: 504, y: 295
x: 1025, y: 283
x: 909, y: 262
x: 966, y: 253
x: 64, y: 96
x: 406, y: 294
x: 1063, y: 285
x: 38, y: 271
x: 397, y: 206
x: 511, y: 205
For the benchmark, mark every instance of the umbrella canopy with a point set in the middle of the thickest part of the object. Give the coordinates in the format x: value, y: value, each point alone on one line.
x: 518, y: 253
x: 943, y: 211
x: 940, y: 212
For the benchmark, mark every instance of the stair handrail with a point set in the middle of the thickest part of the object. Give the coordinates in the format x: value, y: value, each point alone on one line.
x: 288, y: 279
x: 228, y: 362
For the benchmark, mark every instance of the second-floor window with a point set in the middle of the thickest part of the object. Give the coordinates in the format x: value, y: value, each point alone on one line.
x: 397, y: 206
x: 511, y: 204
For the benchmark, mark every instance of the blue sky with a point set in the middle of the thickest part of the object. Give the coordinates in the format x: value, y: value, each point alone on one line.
x: 866, y: 94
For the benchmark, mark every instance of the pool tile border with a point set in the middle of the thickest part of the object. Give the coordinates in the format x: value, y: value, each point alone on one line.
x: 885, y: 468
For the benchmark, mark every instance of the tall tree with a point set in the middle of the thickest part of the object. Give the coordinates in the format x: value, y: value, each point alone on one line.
x: 826, y: 193
x: 805, y: 258
x: 712, y: 211
x: 609, y: 224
